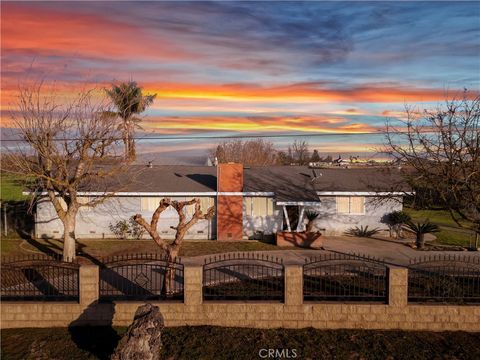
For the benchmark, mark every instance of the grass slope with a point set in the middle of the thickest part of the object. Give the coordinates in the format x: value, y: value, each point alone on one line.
x: 212, y: 343
x: 450, y: 232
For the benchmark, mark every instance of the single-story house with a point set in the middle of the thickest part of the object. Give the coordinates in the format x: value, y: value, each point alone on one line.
x: 250, y: 201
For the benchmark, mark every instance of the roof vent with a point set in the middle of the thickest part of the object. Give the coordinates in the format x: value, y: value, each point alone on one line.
x: 150, y: 165
x: 316, y: 175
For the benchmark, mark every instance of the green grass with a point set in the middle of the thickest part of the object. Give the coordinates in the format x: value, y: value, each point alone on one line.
x: 207, y: 342
x: 11, y: 188
x: 450, y: 232
x: 439, y: 217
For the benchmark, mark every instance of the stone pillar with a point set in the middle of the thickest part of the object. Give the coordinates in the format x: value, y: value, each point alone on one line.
x: 89, y: 284
x: 397, y: 287
x: 193, y: 284
x: 293, y: 285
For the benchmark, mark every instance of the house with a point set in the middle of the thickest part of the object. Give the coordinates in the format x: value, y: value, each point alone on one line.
x: 250, y: 201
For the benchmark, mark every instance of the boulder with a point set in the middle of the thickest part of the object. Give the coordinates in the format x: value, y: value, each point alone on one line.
x: 142, y: 341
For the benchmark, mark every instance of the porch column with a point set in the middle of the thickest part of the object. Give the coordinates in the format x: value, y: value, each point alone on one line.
x: 285, y: 214
x: 300, y: 219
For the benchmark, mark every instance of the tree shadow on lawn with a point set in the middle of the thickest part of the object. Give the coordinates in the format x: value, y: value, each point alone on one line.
x: 99, y: 340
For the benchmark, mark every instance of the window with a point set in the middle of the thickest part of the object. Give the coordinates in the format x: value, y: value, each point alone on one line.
x: 258, y: 206
x: 206, y: 203
x: 149, y: 203
x: 350, y: 205
x: 85, y: 200
x: 81, y: 200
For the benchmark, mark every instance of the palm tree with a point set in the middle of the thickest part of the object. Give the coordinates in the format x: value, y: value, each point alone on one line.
x: 420, y: 229
x: 129, y: 102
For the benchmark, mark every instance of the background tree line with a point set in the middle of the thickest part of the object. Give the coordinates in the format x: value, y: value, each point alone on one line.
x: 261, y: 152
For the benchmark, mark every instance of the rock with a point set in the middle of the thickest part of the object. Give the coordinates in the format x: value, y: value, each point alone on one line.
x: 142, y: 341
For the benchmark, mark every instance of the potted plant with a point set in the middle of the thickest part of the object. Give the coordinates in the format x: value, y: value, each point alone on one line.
x: 311, y: 216
x: 307, y: 239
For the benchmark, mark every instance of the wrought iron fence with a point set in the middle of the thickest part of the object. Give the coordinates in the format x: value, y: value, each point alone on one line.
x: 39, y: 278
x: 344, y: 277
x: 141, y: 277
x: 243, y: 277
x: 445, y: 279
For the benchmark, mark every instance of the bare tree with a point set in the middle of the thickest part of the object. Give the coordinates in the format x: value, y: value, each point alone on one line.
x: 299, y: 152
x: 71, y: 144
x: 441, y: 150
x: 257, y: 152
x: 172, y: 249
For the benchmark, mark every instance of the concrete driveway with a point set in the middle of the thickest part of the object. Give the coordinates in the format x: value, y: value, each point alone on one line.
x: 389, y: 251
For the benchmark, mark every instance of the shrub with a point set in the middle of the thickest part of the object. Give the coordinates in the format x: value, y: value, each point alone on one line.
x: 136, y: 230
x: 120, y: 229
x: 420, y: 229
x: 124, y: 229
x: 362, y: 231
x: 395, y: 221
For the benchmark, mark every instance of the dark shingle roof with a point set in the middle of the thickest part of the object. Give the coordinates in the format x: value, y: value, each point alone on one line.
x: 289, y: 183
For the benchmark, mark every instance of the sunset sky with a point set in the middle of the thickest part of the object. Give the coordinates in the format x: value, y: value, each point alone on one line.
x: 229, y: 68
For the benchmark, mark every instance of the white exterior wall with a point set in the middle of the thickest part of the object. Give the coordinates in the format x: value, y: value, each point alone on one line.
x: 331, y: 223
x: 267, y: 224
x: 94, y: 223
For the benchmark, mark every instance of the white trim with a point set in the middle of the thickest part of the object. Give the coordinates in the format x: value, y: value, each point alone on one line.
x: 364, y: 193
x: 301, y: 203
x: 211, y: 193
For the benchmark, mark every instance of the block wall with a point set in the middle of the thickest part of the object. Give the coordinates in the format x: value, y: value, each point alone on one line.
x: 293, y: 313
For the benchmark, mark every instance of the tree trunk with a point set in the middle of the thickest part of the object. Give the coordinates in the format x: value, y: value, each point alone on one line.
x: 69, y: 237
x: 169, y: 277
x: 131, y: 149
x: 420, y: 241
x: 126, y: 143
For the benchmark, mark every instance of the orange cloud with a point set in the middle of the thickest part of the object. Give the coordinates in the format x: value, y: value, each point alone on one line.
x: 303, y: 92
x: 315, y: 124
x: 62, y: 33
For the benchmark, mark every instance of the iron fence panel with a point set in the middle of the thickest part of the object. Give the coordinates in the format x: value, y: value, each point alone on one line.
x: 141, y: 277
x: 39, y: 278
x: 345, y: 277
x: 243, y: 277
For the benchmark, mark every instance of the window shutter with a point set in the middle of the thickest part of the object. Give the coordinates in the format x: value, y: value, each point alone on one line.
x: 259, y: 206
x: 357, y: 204
x: 343, y: 204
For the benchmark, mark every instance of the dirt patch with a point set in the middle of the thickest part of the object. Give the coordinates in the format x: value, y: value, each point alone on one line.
x: 207, y: 342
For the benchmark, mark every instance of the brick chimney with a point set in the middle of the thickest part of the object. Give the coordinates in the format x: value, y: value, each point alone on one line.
x: 229, y: 206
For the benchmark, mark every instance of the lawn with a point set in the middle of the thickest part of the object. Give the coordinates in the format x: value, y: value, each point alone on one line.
x: 11, y: 188
x: 450, y: 232
x: 98, y: 248
x: 206, y: 342
x: 437, y: 216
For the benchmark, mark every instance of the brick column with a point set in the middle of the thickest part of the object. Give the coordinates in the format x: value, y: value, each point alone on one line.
x: 193, y: 283
x: 89, y: 284
x: 293, y: 285
x: 397, y: 287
